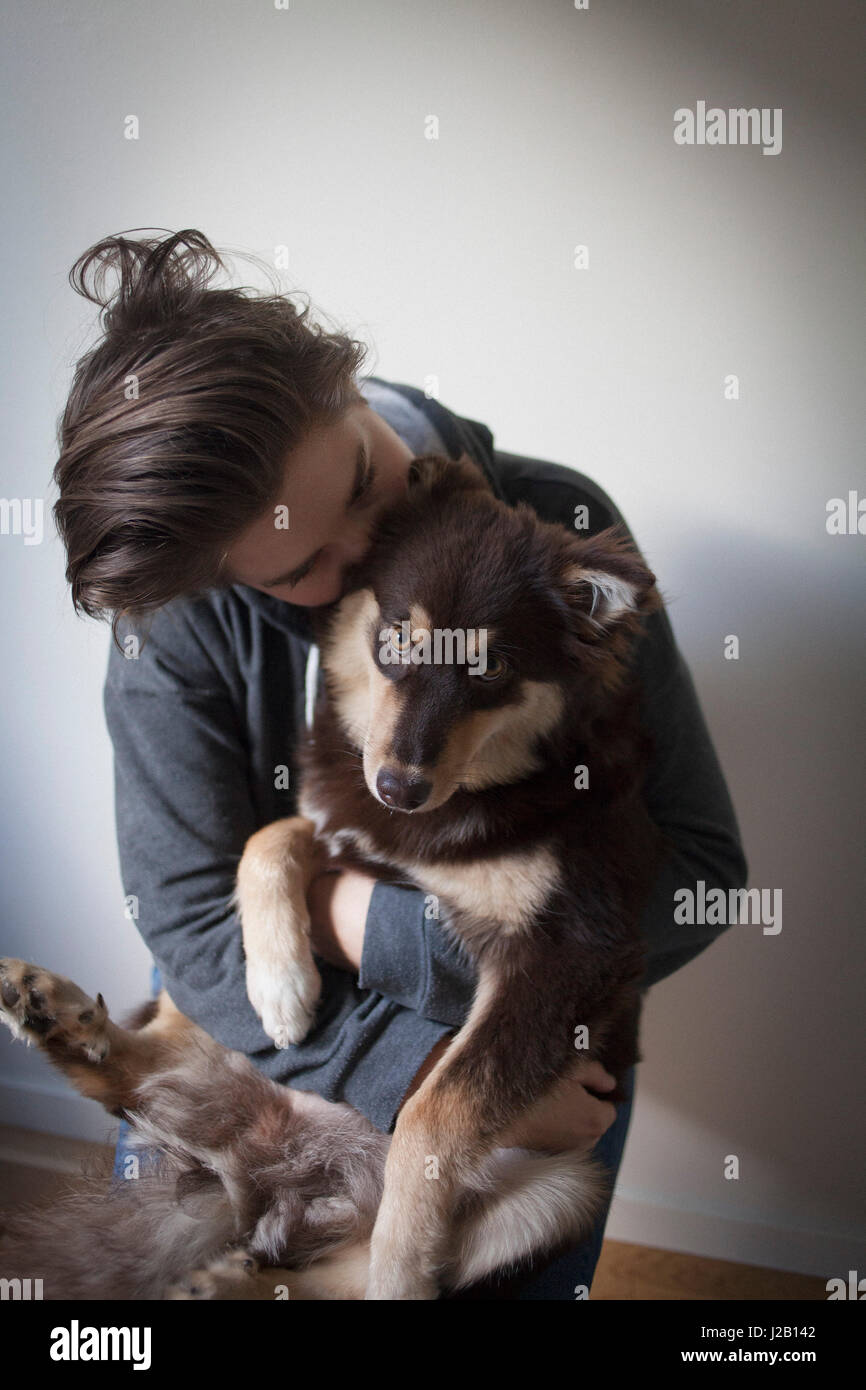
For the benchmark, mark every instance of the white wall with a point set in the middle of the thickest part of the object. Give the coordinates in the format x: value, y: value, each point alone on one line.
x: 454, y: 257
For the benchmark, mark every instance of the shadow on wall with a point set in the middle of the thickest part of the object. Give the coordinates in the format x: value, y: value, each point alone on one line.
x: 778, y: 1016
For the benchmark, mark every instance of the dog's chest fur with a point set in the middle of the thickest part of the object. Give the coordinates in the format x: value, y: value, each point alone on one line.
x: 508, y: 889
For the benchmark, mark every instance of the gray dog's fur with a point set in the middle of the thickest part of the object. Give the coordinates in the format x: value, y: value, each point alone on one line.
x: 288, y: 1181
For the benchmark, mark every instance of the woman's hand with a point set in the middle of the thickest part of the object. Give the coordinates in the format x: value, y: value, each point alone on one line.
x: 338, y: 901
x: 567, y: 1116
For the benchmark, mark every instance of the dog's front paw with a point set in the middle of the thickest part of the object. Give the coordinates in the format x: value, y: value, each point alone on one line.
x: 285, y: 997
x: 49, y: 1009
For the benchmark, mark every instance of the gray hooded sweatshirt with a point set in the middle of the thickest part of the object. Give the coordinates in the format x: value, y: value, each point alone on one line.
x: 206, y: 715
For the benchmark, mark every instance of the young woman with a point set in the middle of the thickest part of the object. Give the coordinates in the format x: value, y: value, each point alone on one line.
x: 197, y: 413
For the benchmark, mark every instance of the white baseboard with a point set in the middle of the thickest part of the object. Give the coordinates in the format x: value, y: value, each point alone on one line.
x: 55, y: 1111
x: 644, y: 1220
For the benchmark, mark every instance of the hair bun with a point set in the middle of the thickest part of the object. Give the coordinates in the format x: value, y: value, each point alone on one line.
x: 158, y: 278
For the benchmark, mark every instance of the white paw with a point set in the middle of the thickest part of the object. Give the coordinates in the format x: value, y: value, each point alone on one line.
x: 285, y: 998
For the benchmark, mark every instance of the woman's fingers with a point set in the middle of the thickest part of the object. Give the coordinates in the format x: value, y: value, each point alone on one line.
x: 604, y: 1113
x: 594, y: 1075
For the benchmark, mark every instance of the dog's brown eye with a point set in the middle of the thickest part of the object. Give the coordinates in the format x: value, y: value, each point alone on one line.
x: 401, y: 640
x: 496, y: 668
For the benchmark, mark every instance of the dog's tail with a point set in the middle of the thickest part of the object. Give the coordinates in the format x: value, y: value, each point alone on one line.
x: 129, y: 1240
x: 520, y: 1205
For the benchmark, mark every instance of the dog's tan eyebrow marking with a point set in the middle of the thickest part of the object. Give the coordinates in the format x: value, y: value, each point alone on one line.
x: 420, y: 619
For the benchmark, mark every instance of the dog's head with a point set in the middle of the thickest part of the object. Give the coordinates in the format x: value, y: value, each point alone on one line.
x: 470, y: 631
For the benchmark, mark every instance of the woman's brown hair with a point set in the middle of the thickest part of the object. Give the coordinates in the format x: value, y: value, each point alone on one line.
x: 176, y: 430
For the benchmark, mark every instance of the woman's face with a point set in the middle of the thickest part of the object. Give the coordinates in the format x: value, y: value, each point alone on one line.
x: 305, y: 563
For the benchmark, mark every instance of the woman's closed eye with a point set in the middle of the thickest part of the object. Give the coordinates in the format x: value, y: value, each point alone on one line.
x: 363, y: 494
x: 365, y: 488
x: 302, y: 574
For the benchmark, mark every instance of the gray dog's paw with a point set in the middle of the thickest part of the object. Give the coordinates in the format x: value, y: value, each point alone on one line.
x: 43, y: 1008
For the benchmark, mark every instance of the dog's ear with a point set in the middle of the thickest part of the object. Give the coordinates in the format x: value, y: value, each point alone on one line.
x: 602, y: 597
x: 422, y: 469
x: 605, y: 580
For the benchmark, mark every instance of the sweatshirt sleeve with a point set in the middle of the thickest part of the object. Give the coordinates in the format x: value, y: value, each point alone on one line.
x: 185, y: 805
x: 408, y: 956
x: 688, y: 798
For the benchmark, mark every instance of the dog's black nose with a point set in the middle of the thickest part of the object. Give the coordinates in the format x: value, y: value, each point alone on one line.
x: 403, y: 793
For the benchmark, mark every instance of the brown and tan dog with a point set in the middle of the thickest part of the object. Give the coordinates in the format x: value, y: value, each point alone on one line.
x: 463, y: 783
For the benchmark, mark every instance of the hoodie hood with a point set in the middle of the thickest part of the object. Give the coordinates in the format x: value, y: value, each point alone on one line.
x: 425, y: 425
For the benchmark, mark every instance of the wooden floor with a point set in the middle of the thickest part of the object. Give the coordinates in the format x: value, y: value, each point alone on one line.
x: 642, y: 1272
x: 624, y: 1271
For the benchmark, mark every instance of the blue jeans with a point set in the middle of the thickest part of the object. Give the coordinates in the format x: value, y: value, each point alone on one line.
x: 547, y: 1279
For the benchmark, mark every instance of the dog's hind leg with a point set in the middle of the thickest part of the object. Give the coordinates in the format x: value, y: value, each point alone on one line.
x: 277, y: 1154
x: 496, y: 1068
x: 103, y: 1060
x: 168, y: 1077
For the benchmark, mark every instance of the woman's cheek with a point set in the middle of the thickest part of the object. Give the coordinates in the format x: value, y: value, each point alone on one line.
x: 316, y: 593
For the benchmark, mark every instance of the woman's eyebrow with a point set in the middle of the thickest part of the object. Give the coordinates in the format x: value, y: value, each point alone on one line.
x: 360, y: 470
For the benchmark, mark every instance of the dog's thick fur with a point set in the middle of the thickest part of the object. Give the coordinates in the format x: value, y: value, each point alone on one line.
x: 256, y: 1177
x: 464, y: 785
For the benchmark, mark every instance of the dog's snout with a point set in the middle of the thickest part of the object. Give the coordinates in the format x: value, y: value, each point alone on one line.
x: 403, y: 793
